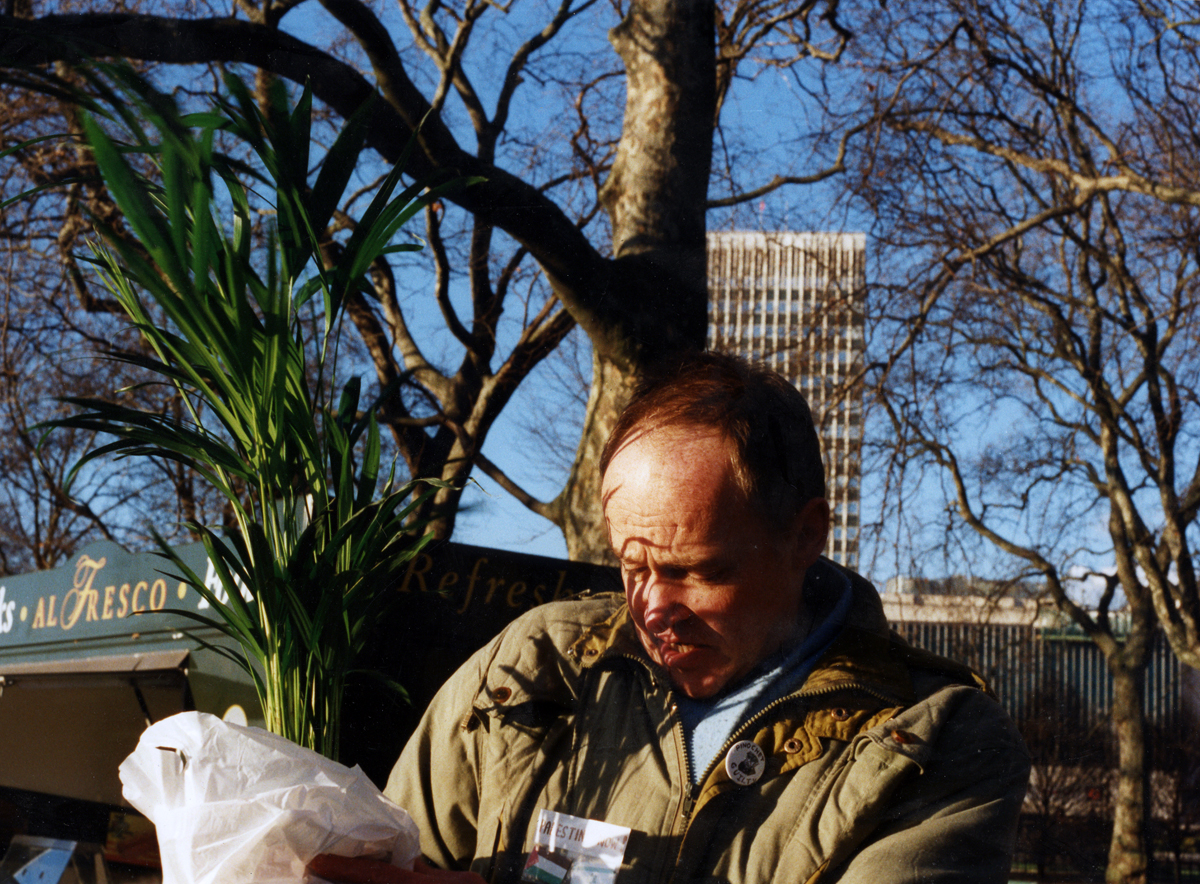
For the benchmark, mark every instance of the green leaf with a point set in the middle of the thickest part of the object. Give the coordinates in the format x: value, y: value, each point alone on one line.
x: 338, y: 167
x: 143, y: 217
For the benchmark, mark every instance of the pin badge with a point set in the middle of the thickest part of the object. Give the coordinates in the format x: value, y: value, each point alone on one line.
x: 745, y: 763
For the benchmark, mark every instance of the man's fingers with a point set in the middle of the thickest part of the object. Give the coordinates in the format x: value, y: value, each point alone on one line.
x: 357, y: 870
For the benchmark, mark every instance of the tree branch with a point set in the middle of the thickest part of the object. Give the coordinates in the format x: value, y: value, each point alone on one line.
x: 578, y: 272
x: 498, y: 476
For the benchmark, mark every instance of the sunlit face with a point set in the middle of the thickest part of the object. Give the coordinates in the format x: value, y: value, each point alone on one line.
x: 712, y: 589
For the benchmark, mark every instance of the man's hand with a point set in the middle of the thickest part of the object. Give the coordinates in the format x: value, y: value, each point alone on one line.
x: 361, y: 870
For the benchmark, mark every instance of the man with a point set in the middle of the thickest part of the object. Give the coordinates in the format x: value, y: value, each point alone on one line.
x: 742, y: 711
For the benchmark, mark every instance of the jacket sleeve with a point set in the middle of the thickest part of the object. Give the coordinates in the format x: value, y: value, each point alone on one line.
x: 470, y: 761
x: 955, y: 821
x: 436, y: 778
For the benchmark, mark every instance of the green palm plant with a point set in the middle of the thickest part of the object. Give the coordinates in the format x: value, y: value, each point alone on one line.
x: 246, y: 335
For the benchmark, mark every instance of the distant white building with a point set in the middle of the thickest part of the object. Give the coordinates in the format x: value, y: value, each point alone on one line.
x: 961, y: 600
x: 794, y: 302
x: 1025, y: 647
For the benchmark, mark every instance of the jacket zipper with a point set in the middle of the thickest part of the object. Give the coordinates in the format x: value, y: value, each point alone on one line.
x: 677, y: 730
x: 740, y: 731
x: 692, y: 794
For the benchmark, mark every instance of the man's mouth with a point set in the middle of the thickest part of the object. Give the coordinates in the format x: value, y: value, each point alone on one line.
x: 675, y: 644
x: 677, y: 647
x: 670, y: 640
x: 671, y: 652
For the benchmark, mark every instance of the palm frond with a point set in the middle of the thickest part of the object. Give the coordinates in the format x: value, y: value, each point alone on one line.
x: 320, y: 527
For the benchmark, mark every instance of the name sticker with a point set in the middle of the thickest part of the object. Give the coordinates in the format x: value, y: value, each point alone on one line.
x: 572, y: 850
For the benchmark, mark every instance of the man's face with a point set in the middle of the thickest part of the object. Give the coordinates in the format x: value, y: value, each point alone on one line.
x: 712, y: 589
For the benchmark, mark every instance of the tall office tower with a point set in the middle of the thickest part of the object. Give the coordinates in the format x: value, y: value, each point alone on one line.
x: 794, y: 301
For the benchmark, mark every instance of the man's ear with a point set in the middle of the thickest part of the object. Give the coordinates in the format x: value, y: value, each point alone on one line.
x: 811, y: 531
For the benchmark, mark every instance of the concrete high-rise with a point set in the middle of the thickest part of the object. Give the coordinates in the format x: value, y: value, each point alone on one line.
x: 794, y: 302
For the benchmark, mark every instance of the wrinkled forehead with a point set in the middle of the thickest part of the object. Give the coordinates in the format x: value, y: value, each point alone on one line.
x: 668, y: 472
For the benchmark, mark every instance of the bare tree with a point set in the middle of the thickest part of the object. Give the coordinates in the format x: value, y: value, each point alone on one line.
x: 584, y: 216
x: 1031, y: 181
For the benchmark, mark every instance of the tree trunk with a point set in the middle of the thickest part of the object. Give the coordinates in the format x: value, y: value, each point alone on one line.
x: 1128, y: 850
x: 580, y: 516
x: 655, y: 302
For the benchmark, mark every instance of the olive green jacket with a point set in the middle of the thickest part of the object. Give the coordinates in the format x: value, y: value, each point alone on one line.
x: 888, y: 765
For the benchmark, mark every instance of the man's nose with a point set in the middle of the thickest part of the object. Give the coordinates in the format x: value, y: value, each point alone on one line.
x: 662, y: 606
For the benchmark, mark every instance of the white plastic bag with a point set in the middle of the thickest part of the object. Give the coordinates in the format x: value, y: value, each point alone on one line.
x: 240, y: 805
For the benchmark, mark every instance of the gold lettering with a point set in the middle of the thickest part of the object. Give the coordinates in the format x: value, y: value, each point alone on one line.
x: 39, y: 616
x: 123, y: 595
x: 493, y: 583
x: 51, y: 619
x: 86, y: 570
x: 425, y: 562
x: 479, y: 562
x: 515, y: 591
x: 84, y: 594
x: 107, y: 611
x: 138, y: 588
x: 448, y: 579
x: 562, y: 575
x: 538, y: 598
x: 158, y: 594
x: 72, y: 612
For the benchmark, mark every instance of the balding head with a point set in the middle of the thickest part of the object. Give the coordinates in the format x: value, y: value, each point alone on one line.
x: 775, y: 453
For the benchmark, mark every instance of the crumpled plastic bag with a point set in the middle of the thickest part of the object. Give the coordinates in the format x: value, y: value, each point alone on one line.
x: 240, y: 805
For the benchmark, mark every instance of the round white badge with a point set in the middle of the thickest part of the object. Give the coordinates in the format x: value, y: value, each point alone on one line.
x: 745, y: 762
